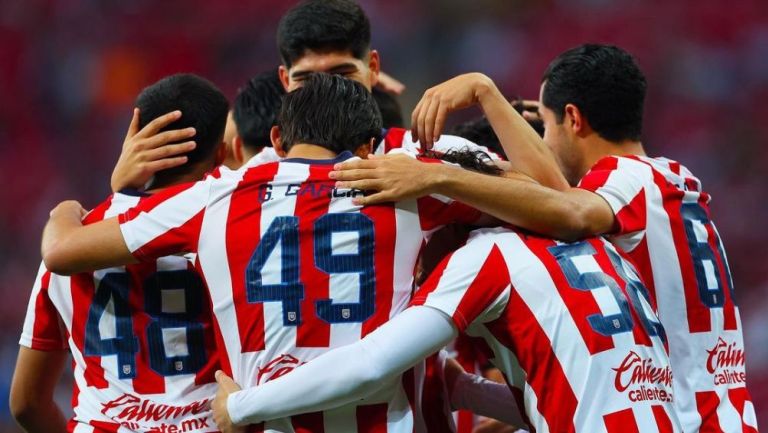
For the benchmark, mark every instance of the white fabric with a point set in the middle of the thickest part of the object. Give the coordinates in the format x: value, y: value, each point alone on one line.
x: 368, y: 364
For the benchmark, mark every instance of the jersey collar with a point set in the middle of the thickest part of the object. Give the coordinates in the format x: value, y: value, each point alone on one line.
x: 343, y: 156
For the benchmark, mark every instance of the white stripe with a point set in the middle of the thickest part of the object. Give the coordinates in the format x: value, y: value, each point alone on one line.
x: 408, y: 240
x: 728, y: 416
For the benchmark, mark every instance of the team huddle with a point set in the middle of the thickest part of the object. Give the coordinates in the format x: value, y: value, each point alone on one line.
x: 298, y: 262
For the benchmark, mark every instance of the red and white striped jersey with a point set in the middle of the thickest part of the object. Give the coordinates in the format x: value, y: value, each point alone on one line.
x: 141, y: 337
x: 569, y: 325
x: 295, y: 269
x: 399, y: 138
x: 665, y: 226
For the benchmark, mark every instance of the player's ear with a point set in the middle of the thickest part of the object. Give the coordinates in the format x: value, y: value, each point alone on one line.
x: 277, y: 143
x: 574, y: 120
x: 237, y: 149
x: 221, y: 153
x: 374, y: 65
x: 365, y: 149
x: 282, y: 71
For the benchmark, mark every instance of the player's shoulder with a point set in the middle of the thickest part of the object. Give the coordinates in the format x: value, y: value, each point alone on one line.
x: 114, y: 205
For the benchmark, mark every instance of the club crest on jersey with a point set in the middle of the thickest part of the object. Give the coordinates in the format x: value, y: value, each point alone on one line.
x: 345, y: 313
x: 291, y: 316
x: 127, y: 369
x: 726, y: 362
x: 642, y: 380
x: 178, y: 365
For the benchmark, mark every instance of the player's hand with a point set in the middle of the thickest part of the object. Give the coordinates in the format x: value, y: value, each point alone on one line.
x: 69, y: 209
x: 530, y: 109
x: 493, y: 426
x: 389, y: 84
x: 428, y: 118
x: 220, y: 414
x: 145, y: 151
x: 395, y: 177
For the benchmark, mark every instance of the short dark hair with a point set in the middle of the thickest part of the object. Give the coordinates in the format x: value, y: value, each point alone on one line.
x: 256, y: 107
x: 323, y: 25
x: 468, y: 159
x: 605, y: 83
x: 391, y: 112
x: 202, y: 106
x: 329, y: 111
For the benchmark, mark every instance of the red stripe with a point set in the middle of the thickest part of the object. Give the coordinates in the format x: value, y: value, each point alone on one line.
x: 662, y: 419
x: 434, y: 213
x: 83, y: 289
x: 97, y: 213
x: 205, y: 318
x: 46, y: 333
x: 622, y: 421
x: 738, y: 398
x: 308, y: 423
x: 519, y: 331
x: 581, y: 304
x: 372, y: 418
x: 599, y: 173
x: 312, y: 202
x: 385, y: 235
x: 146, y: 381
x: 104, y: 427
x: 632, y: 217
x: 394, y: 139
x: 517, y: 393
x: 243, y: 232
x: 707, y: 403
x: 183, y: 238
x: 641, y: 259
x: 491, y: 281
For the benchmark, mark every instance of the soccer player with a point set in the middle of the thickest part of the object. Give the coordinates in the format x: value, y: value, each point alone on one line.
x: 334, y: 36
x: 653, y: 209
x: 251, y: 120
x: 569, y: 325
x: 142, y: 335
x: 293, y: 268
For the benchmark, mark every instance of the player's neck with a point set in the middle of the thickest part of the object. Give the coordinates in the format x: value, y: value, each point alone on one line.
x: 310, y: 151
x: 598, y: 148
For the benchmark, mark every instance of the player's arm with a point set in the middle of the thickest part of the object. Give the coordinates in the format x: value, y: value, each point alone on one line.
x: 569, y: 215
x: 479, y: 395
x: 32, y: 390
x: 69, y: 247
x: 321, y: 384
x: 526, y: 150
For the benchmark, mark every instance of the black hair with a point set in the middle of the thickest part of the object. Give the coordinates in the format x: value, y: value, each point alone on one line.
x: 479, y: 130
x: 475, y: 160
x: 605, y: 83
x: 323, y: 25
x: 256, y: 107
x: 330, y: 111
x: 391, y: 112
x: 202, y: 106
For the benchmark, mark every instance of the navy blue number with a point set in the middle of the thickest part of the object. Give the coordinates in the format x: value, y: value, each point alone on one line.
x: 283, y: 231
x: 636, y: 289
x: 586, y: 281
x: 358, y: 263
x: 114, y: 286
x: 702, y: 254
x: 181, y: 284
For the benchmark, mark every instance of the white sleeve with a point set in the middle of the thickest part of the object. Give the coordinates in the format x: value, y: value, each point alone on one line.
x: 320, y: 384
x: 485, y: 398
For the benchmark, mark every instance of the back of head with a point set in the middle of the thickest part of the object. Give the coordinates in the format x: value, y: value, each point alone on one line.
x: 256, y: 107
x: 202, y: 107
x: 323, y: 26
x: 329, y: 111
x: 605, y: 83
